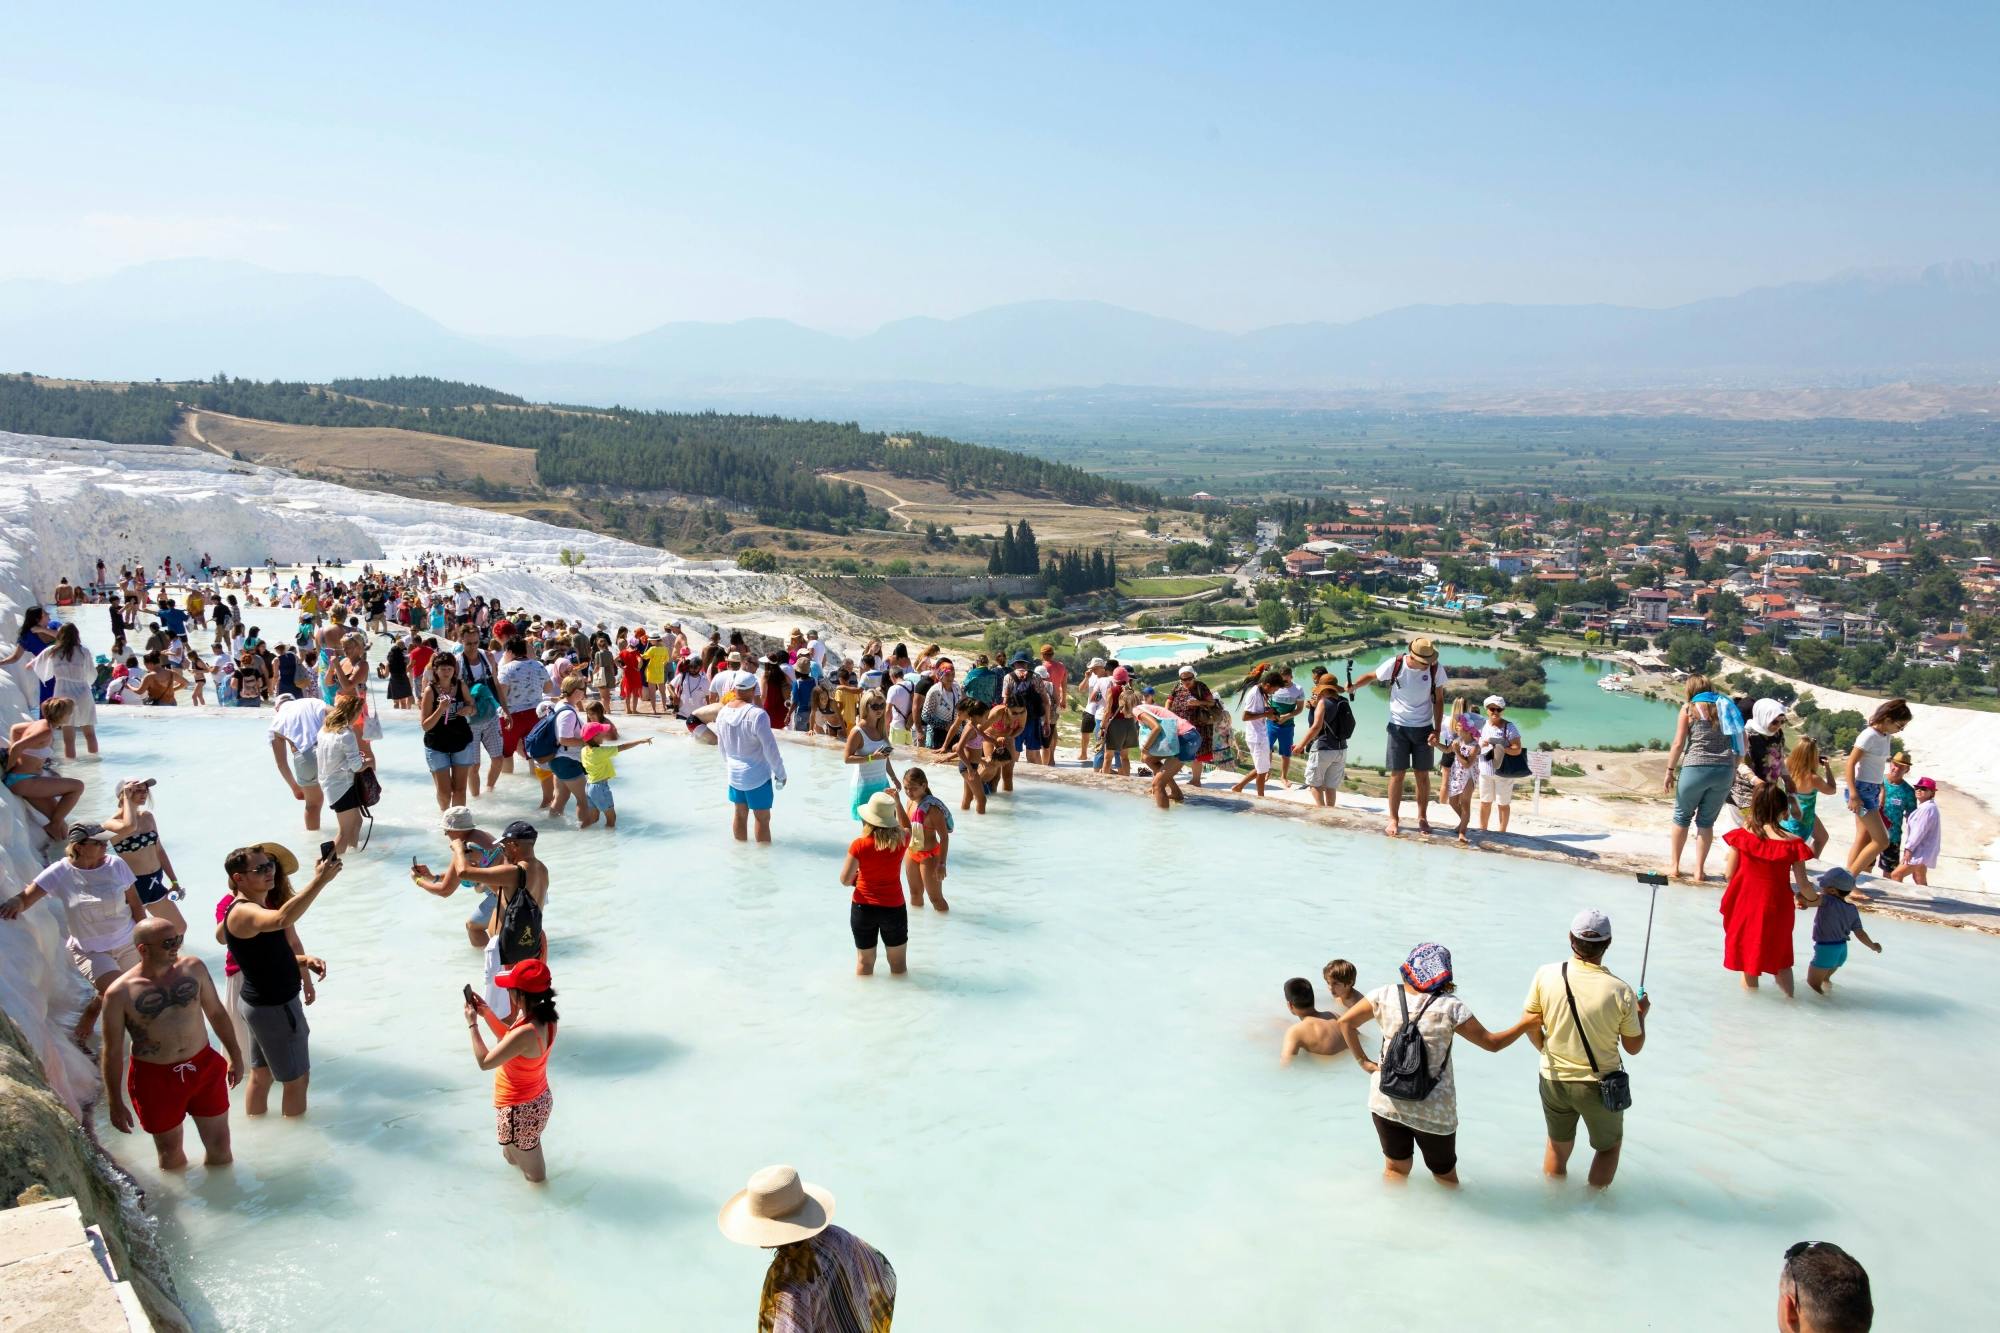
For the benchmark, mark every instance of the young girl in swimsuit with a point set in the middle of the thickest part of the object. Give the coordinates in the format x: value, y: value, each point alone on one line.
x: 930, y: 839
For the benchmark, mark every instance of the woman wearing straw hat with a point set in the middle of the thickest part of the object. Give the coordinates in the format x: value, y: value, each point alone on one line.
x: 874, y: 870
x: 821, y: 1276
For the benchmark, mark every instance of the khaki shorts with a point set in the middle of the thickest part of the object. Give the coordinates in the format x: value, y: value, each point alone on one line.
x: 1325, y: 768
x: 99, y: 967
x: 1563, y: 1104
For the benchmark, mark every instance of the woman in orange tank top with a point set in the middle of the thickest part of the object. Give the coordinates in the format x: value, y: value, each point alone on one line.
x: 522, y: 1099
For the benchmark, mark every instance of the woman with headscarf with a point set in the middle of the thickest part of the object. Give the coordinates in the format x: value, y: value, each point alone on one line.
x: 1700, y: 766
x: 1402, y: 1126
x: 1195, y: 702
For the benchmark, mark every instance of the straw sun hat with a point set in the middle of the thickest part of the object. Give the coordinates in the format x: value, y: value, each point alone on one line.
x: 777, y: 1209
x: 879, y: 810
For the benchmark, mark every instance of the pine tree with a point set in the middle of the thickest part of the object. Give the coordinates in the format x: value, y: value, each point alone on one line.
x: 1028, y: 556
x: 1009, y: 556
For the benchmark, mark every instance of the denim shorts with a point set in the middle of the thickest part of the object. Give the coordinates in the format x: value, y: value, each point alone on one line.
x: 1699, y: 793
x: 1190, y: 744
x: 440, y: 760
x: 1870, y: 796
x: 599, y: 796
x: 565, y: 768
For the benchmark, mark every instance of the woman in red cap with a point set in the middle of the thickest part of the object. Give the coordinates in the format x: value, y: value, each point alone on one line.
x: 519, y: 1058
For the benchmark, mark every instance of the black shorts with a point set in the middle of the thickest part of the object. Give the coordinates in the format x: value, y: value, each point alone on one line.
x: 351, y: 801
x: 1892, y: 855
x: 1400, y: 1143
x: 1089, y: 724
x: 867, y: 920
x: 1409, y: 748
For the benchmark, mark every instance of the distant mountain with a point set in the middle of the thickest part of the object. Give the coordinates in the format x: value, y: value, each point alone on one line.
x: 190, y: 318
x: 195, y: 317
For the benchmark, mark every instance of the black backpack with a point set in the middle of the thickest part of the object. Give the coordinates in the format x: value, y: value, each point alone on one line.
x: 1343, y: 720
x: 1405, y: 1064
x: 520, y: 925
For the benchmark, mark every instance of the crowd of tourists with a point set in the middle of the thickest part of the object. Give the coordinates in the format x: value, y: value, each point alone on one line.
x: 496, y: 690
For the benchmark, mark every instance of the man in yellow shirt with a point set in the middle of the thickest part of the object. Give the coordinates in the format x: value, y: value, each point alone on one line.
x: 1579, y: 1015
x: 657, y: 657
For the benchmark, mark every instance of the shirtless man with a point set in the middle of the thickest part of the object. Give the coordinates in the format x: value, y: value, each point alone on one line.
x: 516, y: 867
x: 1316, y: 1030
x: 174, y: 1072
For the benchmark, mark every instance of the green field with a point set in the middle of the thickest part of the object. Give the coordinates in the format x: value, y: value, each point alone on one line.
x: 1943, y: 466
x: 1167, y: 586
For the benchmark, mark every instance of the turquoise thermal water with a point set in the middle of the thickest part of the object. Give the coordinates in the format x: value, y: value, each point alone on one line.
x: 1581, y: 713
x: 1069, y: 1115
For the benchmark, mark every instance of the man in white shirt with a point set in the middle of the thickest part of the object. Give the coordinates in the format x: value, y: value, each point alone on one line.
x: 902, y: 697
x: 750, y: 751
x: 1416, y: 684
x: 294, y: 734
x: 1096, y: 680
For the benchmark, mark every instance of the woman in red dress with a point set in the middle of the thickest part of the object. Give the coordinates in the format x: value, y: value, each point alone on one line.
x: 1758, y: 905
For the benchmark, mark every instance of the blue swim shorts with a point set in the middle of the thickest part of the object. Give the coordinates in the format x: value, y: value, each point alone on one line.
x: 757, y: 798
x: 1829, y: 957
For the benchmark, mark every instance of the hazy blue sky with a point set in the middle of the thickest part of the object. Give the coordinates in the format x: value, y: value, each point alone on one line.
x: 596, y: 169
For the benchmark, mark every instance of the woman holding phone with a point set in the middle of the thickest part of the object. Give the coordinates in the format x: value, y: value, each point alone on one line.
x: 519, y: 1058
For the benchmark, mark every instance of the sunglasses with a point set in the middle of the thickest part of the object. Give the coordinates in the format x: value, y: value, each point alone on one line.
x: 171, y: 944
x: 1798, y: 1248
x: 262, y: 868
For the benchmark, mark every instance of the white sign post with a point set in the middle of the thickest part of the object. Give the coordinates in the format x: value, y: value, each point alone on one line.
x: 1540, y: 763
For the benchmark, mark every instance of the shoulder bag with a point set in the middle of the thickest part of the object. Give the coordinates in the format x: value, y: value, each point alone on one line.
x: 1615, y: 1087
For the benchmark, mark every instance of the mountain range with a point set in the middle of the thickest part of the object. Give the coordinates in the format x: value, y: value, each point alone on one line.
x: 182, y: 319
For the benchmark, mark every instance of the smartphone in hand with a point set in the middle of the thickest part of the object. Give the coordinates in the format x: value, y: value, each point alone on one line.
x: 326, y: 851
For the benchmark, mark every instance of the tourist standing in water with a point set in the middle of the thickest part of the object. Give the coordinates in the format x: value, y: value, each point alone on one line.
x: 821, y: 1277
x: 260, y: 931
x: 70, y: 672
x: 930, y: 840
x: 444, y: 711
x: 135, y: 837
x: 1580, y: 1016
x: 874, y: 870
x: 341, y: 761
x: 519, y: 1058
x: 867, y: 754
x: 1416, y: 712
x: 1430, y: 1123
x: 174, y: 1073
x: 1767, y: 881
x: 294, y: 737
x: 755, y: 767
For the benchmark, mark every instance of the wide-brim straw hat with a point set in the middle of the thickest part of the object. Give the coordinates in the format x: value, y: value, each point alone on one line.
x: 879, y: 811
x: 777, y: 1208
x: 1423, y: 650
x: 281, y: 854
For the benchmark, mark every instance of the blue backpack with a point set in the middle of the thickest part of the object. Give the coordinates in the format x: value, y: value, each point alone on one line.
x: 541, y: 742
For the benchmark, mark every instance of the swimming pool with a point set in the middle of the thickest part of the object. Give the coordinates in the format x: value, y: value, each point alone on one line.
x: 1069, y: 1115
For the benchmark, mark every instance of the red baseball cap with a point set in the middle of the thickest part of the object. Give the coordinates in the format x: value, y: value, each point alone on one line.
x: 530, y: 974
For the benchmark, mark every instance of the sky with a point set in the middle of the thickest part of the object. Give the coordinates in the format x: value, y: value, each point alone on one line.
x: 594, y: 170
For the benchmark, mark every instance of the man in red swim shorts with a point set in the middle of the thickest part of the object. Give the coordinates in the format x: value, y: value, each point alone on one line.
x: 174, y: 1072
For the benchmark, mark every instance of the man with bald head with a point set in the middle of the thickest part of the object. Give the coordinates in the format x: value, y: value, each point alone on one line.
x: 174, y: 1072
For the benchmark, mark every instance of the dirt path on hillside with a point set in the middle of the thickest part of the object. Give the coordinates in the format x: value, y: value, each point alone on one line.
x: 895, y: 509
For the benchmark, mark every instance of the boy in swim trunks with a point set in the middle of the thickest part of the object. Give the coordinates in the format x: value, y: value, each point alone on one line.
x: 174, y: 1073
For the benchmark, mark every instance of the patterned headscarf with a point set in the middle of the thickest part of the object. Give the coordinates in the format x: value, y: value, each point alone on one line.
x: 1428, y: 967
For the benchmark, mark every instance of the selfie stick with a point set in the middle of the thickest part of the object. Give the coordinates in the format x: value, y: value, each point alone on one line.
x: 1648, y: 954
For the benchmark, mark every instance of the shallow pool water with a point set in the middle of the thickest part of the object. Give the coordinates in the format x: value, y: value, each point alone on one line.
x: 1070, y: 1114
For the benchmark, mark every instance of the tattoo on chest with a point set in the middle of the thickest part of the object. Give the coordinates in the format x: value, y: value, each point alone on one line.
x: 156, y: 1000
